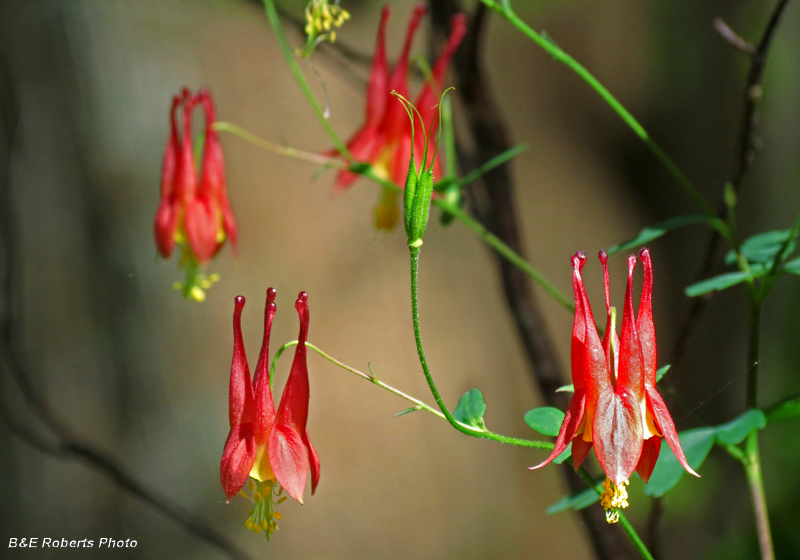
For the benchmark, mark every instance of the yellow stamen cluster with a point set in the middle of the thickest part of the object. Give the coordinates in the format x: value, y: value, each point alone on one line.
x: 614, y: 498
x: 262, y: 516
x: 321, y: 18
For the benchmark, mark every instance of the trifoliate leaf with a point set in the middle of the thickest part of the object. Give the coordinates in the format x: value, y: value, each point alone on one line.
x: 654, y: 232
x: 763, y: 247
x: 696, y: 444
x: 545, y: 420
x: 720, y: 282
x: 784, y: 411
x: 470, y: 410
x: 575, y: 501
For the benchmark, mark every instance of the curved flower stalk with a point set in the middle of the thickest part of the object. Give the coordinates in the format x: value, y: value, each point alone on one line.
x: 385, y: 139
x: 271, y: 448
x: 615, y: 407
x: 193, y: 213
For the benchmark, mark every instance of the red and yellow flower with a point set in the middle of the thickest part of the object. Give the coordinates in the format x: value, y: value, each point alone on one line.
x: 616, y: 407
x: 193, y: 212
x: 384, y: 141
x: 271, y: 448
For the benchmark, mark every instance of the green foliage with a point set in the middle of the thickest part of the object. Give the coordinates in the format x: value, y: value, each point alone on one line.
x: 408, y: 411
x: 566, y: 454
x: 763, y: 247
x: 579, y: 500
x: 654, y: 232
x: 786, y: 410
x: 696, y: 444
x: 737, y: 429
x: 718, y: 283
x: 470, y: 410
x: 545, y: 420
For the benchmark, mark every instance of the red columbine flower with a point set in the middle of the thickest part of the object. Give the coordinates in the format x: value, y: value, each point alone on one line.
x: 385, y: 139
x: 268, y: 447
x: 616, y: 407
x: 197, y: 217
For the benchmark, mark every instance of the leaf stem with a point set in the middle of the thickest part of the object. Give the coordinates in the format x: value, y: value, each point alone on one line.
x: 559, y: 55
x: 485, y: 434
x: 752, y: 468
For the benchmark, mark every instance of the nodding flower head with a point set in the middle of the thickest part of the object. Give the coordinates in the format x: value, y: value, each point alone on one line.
x: 272, y: 448
x: 385, y: 140
x: 616, y: 407
x: 194, y: 211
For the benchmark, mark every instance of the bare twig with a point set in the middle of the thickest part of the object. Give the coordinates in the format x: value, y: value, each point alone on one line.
x: 746, y: 153
x: 63, y: 443
x: 495, y: 206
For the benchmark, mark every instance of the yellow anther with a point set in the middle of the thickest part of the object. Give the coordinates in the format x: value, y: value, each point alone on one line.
x: 215, y: 278
x: 277, y: 516
x: 252, y: 485
x: 198, y: 294
x: 258, y: 497
x: 243, y: 495
x: 333, y: 36
x: 614, y: 498
x: 265, y: 525
x: 281, y: 500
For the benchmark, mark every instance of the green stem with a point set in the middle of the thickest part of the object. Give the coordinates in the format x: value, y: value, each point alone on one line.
x: 752, y: 468
x: 366, y: 171
x: 752, y: 463
x: 559, y: 55
x: 623, y: 521
x: 418, y: 403
x: 274, y: 21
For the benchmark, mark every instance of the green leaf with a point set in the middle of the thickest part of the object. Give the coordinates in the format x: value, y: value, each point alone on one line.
x: 566, y: 454
x: 496, y: 161
x: 545, y: 420
x: 720, y: 282
x: 763, y: 247
x: 662, y: 371
x: 470, y: 410
x: 784, y: 411
x: 654, y: 232
x: 793, y: 266
x: 408, y: 411
x: 737, y: 429
x: 566, y: 389
x: 575, y: 501
x: 696, y: 444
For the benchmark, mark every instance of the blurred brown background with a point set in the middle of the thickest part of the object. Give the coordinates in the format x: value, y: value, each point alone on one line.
x: 142, y: 373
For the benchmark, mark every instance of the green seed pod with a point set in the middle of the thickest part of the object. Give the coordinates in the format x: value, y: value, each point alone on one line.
x: 421, y: 207
x: 408, y: 195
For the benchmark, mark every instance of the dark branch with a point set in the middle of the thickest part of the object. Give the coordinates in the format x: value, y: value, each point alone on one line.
x: 494, y: 205
x: 746, y: 154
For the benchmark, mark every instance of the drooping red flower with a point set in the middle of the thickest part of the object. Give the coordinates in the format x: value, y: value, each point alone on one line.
x: 271, y: 448
x: 615, y: 407
x: 384, y: 140
x: 194, y: 213
x: 261, y: 443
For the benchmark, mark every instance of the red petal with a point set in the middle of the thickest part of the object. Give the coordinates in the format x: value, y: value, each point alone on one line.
x: 617, y: 433
x: 186, y: 176
x: 647, y: 462
x: 288, y: 457
x: 240, y: 396
x: 395, y: 120
x: 237, y: 459
x: 201, y: 224
x: 429, y: 96
x: 365, y: 145
x: 572, y: 420
x: 164, y: 226
x: 314, y: 463
x: 580, y: 449
x: 645, y: 324
x: 578, y: 324
x: 264, y: 420
x: 595, y: 373
x: 657, y: 407
x: 630, y: 375
x: 378, y: 84
x: 293, y: 410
